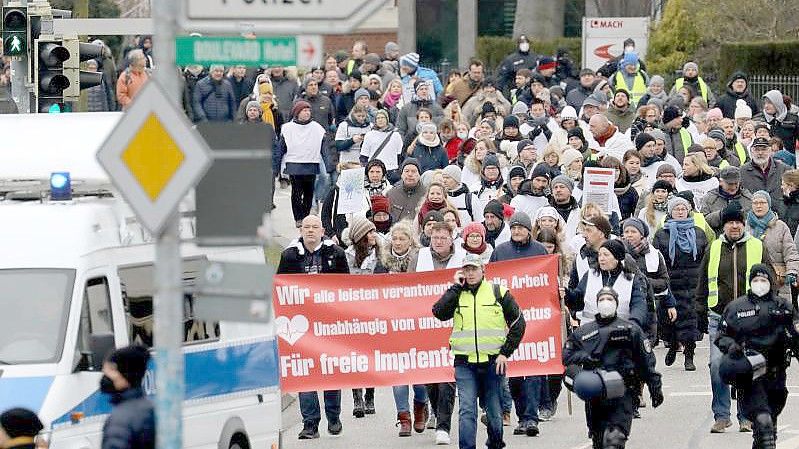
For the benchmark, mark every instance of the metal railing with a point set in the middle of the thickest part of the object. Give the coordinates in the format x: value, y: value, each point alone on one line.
x: 787, y: 84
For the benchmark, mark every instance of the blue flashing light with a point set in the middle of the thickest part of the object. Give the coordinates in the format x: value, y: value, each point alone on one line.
x: 60, y: 186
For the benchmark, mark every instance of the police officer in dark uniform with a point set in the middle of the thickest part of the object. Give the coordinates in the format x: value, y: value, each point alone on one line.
x: 756, y: 331
x: 605, y: 361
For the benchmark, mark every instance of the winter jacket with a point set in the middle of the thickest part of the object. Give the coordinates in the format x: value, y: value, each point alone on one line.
x: 790, y: 214
x: 190, y: 81
x: 286, y: 91
x: 348, y: 150
x: 753, y: 179
x: 511, y: 250
x: 128, y: 85
x: 242, y: 88
x: 469, y: 206
x: 616, y: 145
x: 423, y: 74
x: 683, y: 278
x: 404, y: 201
x: 784, y: 124
x: 714, y: 202
x: 778, y: 243
x: 463, y: 89
x: 577, y: 96
x: 294, y: 258
x: 131, y: 424
x: 506, y: 73
x: 628, y: 198
x: 406, y: 119
x: 727, y: 101
x: 390, y: 153
x: 430, y: 158
x: 674, y: 144
x: 728, y: 274
x: 367, y: 266
x: 623, y: 119
x: 575, y: 298
x: 214, y: 101
x: 474, y: 107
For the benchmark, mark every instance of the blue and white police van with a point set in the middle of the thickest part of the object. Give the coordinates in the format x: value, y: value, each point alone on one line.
x: 76, y: 277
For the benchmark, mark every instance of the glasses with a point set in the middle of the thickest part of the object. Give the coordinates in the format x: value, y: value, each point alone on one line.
x: 440, y: 238
x: 680, y: 209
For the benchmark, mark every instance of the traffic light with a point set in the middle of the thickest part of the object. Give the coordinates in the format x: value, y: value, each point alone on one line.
x: 15, y: 31
x: 50, y: 80
x: 79, y: 79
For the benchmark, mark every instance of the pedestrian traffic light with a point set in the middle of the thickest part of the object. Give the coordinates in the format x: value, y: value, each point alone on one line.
x: 50, y: 79
x: 79, y: 79
x: 15, y: 31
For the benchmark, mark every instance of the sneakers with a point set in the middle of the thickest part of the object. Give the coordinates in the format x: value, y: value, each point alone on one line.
x: 745, y: 426
x: 334, y: 428
x: 309, y: 432
x: 505, y: 419
x: 404, y: 423
x: 420, y: 415
x: 521, y: 429
x: 720, y: 426
x: 369, y: 408
x: 442, y: 437
x: 544, y: 414
x: 636, y: 413
x: 671, y: 356
x: 532, y: 429
x: 484, y: 419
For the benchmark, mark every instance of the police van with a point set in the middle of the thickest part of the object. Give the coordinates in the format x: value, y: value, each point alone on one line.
x: 76, y: 278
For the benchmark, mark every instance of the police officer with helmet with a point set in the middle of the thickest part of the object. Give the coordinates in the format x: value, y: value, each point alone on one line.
x: 605, y: 361
x: 756, y: 331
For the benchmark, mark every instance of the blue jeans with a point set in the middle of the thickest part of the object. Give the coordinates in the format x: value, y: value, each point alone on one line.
x: 526, y: 393
x: 401, y: 396
x: 309, y: 407
x: 478, y: 380
x: 323, y: 183
x: 505, y: 399
x: 721, y: 392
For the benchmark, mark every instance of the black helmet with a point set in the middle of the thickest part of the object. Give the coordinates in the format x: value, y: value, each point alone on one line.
x: 742, y: 371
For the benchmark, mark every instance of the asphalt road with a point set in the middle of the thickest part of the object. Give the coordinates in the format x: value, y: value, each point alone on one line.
x: 682, y: 422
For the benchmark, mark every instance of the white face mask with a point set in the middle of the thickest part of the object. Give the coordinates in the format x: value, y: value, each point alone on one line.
x: 606, y: 308
x: 760, y: 287
x: 463, y: 135
x: 524, y: 47
x: 629, y: 49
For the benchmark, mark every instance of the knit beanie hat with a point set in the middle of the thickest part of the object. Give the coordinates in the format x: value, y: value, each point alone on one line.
x: 391, y: 47
x: 671, y: 113
x: 362, y: 92
x: 20, y: 422
x: 519, y: 108
x: 630, y: 58
x: 637, y: 224
x: 490, y: 160
x: 410, y: 60
x: 717, y: 134
x: 695, y: 148
x: 732, y: 212
x: 494, y: 207
x: 714, y: 114
x: 523, y: 144
x: 131, y: 362
x: 380, y: 203
x: 568, y: 113
x: 510, y: 121
x: 666, y: 168
x: 742, y: 110
x: 410, y: 161
x: 570, y: 155
x: 563, y: 180
x: 642, y: 139
x: 517, y: 171
x: 488, y: 107
x: 547, y: 62
x: 253, y: 105
x: 356, y: 74
x: 473, y: 228
x: 607, y: 292
x: 616, y: 248
x: 689, y: 196
x: 433, y: 215
x: 541, y: 171
x: 384, y: 113
x: 760, y: 269
x: 359, y: 228
x: 298, y: 107
x: 676, y: 201
x: 657, y: 79
x: 520, y: 219
x: 600, y: 222
x: 547, y: 211
x: 454, y: 172
x: 661, y: 184
x: 763, y: 194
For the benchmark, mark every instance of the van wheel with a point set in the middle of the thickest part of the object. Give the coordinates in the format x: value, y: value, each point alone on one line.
x: 239, y: 441
x: 235, y: 445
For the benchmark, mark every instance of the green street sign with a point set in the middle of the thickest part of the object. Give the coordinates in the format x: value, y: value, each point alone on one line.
x: 236, y: 51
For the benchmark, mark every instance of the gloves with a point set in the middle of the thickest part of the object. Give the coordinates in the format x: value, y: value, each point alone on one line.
x: 735, y: 350
x: 657, y: 397
x: 535, y: 132
x: 790, y: 279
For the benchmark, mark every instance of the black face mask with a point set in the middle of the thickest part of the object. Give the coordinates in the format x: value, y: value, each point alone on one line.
x: 107, y: 385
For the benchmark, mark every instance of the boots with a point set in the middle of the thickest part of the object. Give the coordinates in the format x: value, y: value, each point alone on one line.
x: 671, y: 355
x: 404, y: 423
x: 689, y: 356
x: 369, y: 408
x: 420, y: 416
x: 358, y: 407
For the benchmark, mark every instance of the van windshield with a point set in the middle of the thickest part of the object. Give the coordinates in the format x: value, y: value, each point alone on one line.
x: 34, y: 309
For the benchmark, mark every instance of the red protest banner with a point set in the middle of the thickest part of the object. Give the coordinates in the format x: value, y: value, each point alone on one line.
x: 345, y: 331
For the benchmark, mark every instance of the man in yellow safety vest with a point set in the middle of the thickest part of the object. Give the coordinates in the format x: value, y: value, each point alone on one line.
x: 723, y: 277
x: 690, y: 72
x: 631, y: 78
x: 487, y: 326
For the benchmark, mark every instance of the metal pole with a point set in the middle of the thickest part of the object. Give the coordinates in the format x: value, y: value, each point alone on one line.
x: 168, y: 270
x: 19, y: 73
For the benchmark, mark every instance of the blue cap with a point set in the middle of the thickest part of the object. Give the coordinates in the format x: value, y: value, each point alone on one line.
x: 630, y: 59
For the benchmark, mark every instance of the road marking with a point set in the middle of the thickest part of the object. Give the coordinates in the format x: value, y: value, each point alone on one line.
x: 709, y: 393
x: 791, y: 443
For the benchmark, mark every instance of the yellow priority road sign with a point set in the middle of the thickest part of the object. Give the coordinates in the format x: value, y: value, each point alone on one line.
x: 154, y: 157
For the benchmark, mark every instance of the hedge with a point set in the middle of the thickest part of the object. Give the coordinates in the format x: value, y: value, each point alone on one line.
x: 766, y: 58
x: 492, y: 49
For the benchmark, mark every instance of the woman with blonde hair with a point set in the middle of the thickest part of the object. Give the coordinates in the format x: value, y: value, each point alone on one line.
x: 435, y: 199
x: 697, y: 176
x: 473, y: 164
x: 549, y: 218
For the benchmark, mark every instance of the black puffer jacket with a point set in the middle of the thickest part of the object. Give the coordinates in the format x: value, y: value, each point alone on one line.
x: 790, y: 213
x: 333, y: 259
x: 683, y: 276
x: 131, y: 424
x: 727, y: 101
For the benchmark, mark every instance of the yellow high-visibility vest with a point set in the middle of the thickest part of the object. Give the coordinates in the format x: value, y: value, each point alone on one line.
x: 754, y: 255
x: 478, y: 327
x: 637, y: 91
x: 702, y: 86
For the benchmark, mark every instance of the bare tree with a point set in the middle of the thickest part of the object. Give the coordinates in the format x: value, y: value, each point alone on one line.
x: 540, y: 19
x: 618, y: 8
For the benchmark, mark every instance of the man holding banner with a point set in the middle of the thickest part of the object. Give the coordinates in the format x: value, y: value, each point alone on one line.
x: 481, y: 312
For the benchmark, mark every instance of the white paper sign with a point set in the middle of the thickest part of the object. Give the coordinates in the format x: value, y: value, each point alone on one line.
x: 351, y: 191
x: 598, y: 186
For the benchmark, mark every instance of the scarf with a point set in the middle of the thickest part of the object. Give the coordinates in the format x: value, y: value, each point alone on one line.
x: 602, y: 140
x: 424, y: 239
x: 491, y: 236
x: 479, y: 250
x: 391, y: 99
x: 266, y: 113
x: 662, y: 207
x: 649, y: 161
x: 635, y: 177
x: 399, y: 262
x: 728, y: 196
x: 638, y: 250
x: 683, y: 235
x: 757, y: 225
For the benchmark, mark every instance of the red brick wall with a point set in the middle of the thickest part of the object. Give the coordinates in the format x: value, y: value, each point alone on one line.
x: 375, y: 41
